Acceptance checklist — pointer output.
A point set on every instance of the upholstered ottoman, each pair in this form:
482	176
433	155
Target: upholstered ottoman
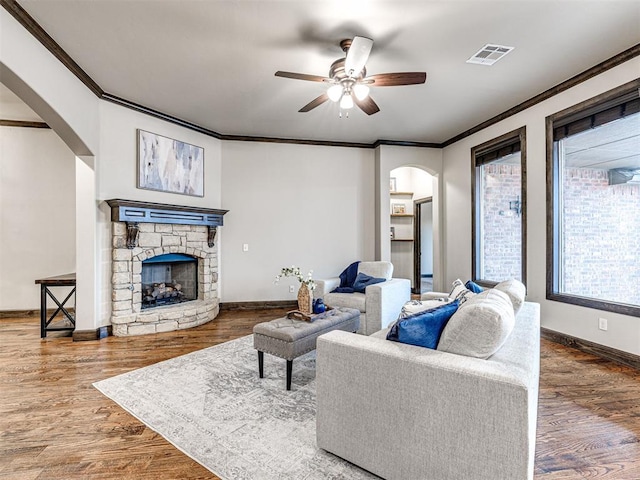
289	338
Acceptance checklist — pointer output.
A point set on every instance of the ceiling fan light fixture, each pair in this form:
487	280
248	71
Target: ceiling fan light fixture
334	92
361	91
346	102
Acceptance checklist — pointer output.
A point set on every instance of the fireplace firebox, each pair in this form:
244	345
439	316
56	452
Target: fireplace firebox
169	279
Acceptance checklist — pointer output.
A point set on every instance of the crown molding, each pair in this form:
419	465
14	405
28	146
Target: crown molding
157	114
402	143
23	123
608	64
34	28
41	35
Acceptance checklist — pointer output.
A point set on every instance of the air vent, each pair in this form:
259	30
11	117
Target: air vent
489	54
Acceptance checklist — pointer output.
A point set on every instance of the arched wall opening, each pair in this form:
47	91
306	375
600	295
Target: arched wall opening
427	161
411	226
84	182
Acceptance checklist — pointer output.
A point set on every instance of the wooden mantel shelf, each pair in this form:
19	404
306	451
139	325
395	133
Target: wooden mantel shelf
133	212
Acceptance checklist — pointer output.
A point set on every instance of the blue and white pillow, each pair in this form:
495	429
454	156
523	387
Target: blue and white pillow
424	328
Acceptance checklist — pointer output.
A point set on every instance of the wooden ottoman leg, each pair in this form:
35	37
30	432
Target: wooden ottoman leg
261	363
289	368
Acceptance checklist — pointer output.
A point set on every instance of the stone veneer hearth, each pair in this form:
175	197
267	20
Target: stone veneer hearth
134	242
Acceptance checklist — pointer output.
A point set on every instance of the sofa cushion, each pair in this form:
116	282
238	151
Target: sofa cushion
363	281
376	269
423	329
460	292
350	300
480	326
515	290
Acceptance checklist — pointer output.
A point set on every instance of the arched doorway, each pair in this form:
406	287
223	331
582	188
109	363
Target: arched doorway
411	192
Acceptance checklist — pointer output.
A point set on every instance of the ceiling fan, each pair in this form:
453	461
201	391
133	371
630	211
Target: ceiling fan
349	81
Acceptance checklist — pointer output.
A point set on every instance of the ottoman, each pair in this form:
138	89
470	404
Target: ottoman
289	338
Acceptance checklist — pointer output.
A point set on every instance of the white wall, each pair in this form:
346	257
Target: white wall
309	206
624	331
37	213
116	178
58	97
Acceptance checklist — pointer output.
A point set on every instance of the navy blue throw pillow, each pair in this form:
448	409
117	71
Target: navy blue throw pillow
349	274
343	290
423	329
474	287
363	281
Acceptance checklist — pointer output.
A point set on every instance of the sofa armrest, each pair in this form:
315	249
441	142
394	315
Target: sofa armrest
384	302
402	411
325	286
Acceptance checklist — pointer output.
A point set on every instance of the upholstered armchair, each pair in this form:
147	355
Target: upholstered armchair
379	305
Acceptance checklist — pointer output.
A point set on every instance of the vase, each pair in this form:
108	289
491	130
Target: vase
305	301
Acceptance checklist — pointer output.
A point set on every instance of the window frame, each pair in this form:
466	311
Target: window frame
518	135
585	109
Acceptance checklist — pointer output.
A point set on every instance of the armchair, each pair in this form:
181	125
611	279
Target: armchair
381	303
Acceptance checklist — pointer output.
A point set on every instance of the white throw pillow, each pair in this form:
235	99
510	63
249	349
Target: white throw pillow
460	292
516	292
480	326
413	307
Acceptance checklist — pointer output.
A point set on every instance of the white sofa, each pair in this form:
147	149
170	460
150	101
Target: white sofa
410	413
379	305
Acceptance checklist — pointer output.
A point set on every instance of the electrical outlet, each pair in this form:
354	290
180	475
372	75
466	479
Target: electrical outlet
245	247
291	289
602	324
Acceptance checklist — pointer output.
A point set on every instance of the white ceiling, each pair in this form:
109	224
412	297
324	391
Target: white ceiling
212	62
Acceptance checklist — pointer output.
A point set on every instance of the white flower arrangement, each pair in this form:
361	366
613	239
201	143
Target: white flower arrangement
294	271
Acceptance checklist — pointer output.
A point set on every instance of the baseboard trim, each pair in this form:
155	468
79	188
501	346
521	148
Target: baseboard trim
88	335
292	304
28	313
602	351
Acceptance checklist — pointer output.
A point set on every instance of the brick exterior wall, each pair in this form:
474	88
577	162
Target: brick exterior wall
502	227
601	244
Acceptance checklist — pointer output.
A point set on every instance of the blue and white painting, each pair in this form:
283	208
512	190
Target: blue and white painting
168	165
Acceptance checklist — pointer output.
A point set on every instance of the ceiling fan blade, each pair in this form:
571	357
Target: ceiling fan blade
302	76
314	103
367	105
357	55
395	79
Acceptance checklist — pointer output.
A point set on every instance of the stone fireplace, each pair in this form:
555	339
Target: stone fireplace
164	239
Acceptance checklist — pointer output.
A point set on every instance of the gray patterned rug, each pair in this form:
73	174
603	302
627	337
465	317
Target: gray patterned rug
212	406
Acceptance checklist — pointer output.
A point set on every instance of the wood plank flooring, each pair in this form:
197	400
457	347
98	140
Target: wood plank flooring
55	425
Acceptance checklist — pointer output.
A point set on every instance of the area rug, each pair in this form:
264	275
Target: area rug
212	405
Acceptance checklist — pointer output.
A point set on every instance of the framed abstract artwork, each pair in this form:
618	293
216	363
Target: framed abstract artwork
169	165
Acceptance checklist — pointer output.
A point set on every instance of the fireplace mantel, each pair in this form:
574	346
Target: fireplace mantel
133	212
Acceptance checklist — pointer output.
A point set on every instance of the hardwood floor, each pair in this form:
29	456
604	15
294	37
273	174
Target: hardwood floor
55	425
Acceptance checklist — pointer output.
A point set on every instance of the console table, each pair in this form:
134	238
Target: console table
67	280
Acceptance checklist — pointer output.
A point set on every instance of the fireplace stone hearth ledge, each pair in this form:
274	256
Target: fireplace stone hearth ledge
142	230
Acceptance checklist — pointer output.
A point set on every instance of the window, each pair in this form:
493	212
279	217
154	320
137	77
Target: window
593	172
499	209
